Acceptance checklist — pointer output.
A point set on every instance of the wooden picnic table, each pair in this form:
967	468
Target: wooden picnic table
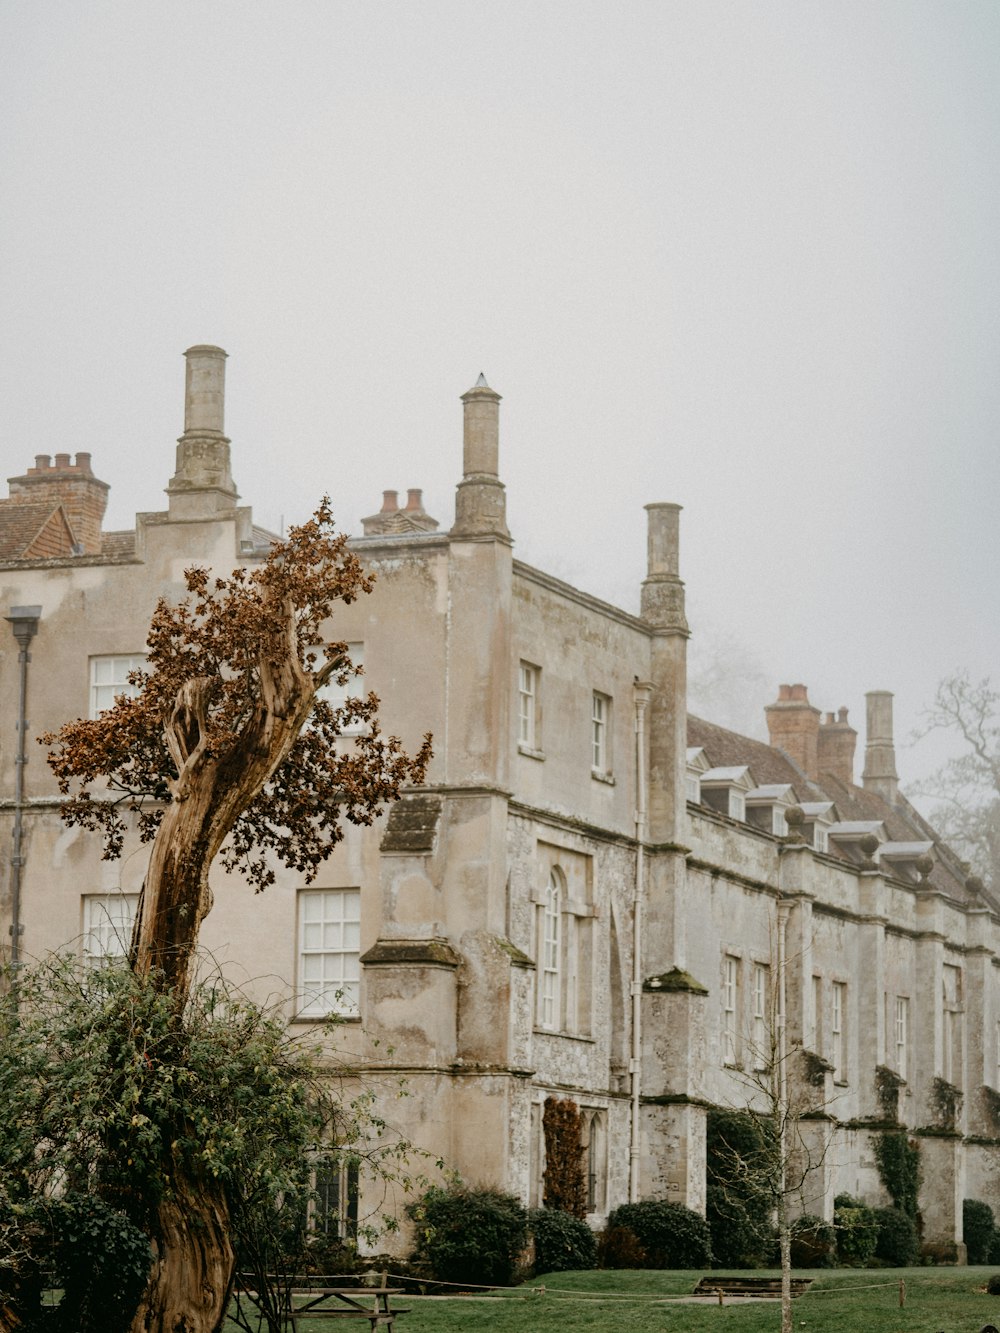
371	1303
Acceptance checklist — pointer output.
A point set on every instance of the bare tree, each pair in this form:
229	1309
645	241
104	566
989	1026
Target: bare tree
966	790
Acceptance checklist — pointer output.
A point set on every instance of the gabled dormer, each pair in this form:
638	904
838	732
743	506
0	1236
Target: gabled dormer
847	836
900	858
820	816
725	790
697	766
766	806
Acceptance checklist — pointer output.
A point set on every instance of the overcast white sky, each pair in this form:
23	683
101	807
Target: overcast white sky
742	256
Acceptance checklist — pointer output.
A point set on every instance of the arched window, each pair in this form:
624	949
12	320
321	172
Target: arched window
550	952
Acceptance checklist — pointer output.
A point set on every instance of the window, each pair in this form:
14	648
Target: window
527	706
564	944
329	951
109	679
761	1006
336	695
600	724
730	1011
549	974
901	1029
107	927
333	1211
594	1142
838	1031
817	1016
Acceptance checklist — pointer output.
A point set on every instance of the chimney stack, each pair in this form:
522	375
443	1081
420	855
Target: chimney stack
836	744
202	486
74	486
480	501
793	726
880	774
662	599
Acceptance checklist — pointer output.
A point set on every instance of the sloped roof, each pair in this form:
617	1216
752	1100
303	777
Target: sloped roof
26	527
770	765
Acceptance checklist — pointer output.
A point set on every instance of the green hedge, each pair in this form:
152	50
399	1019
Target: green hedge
671	1235
470	1235
562	1242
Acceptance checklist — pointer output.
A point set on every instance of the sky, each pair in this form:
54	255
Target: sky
742	256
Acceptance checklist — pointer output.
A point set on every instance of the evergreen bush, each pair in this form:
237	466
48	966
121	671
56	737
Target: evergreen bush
470	1235
619	1247
897	1243
562	1242
978	1230
671	1235
738	1239
857	1233
814	1242
898	1160
742	1173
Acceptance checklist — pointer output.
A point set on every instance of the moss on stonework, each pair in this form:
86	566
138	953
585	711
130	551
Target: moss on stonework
517	957
435	953
674	980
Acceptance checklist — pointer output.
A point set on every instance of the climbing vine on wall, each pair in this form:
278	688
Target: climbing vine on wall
565	1182
898	1160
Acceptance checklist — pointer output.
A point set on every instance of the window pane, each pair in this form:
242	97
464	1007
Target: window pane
329	951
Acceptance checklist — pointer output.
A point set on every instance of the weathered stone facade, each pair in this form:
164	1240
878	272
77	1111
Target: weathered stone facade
584	900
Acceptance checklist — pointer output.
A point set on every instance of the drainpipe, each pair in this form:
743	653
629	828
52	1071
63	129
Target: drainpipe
784	909
23	620
642	693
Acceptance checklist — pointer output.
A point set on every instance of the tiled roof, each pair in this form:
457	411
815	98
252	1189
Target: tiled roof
119	544
769	765
21	522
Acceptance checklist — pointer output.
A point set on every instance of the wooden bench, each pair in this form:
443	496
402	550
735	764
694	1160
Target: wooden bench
314	1298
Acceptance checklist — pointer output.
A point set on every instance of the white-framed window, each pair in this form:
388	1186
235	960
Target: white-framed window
600	729
109	678
901	1034
329	951
550	969
761	1015
336	695
527	705
730	1009
838	1030
333	1208
108	919
996	1082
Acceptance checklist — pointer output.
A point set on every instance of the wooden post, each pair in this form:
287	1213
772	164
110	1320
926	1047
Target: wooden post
902	1293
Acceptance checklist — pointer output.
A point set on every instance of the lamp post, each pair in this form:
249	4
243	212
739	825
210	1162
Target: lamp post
23	620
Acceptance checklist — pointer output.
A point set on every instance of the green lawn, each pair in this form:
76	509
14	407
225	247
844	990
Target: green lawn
840	1301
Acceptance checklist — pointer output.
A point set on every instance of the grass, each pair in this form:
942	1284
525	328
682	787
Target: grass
839	1301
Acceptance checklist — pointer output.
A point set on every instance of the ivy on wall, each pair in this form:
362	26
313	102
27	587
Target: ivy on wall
565	1182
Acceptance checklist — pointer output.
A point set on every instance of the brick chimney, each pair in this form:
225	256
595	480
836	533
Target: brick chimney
793	726
880	752
74	486
836	744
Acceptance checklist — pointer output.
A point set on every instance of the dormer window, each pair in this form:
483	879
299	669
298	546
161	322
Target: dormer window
766	807
846	836
900	858
820	817
697	766
725	790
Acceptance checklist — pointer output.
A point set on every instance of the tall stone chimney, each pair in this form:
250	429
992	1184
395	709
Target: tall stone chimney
836	744
662	607
202	486
793	726
880	752
74	486
480	500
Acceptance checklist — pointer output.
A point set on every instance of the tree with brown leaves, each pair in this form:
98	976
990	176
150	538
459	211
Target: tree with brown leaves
227	751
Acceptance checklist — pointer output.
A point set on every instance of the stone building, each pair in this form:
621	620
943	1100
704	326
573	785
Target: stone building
589	897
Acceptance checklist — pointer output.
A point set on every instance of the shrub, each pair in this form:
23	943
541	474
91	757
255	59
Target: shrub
565	1181
672	1236
993	1285
470	1235
994	1257
978	1229
897	1242
561	1242
857	1234
738	1239
101	1262
898	1160
619	1247
814	1242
